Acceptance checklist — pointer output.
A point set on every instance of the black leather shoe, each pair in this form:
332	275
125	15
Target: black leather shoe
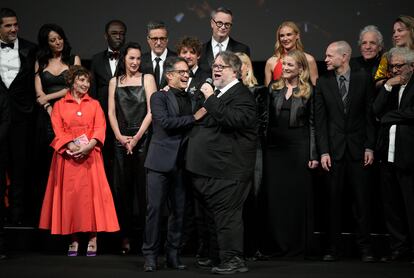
175	264
368	258
232	266
150	267
330	258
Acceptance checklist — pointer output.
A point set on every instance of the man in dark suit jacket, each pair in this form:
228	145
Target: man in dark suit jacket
394	106
172	117
153	61
103	68
221	156
221	23
345	137
17	83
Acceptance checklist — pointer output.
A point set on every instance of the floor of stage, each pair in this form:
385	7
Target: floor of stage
58	265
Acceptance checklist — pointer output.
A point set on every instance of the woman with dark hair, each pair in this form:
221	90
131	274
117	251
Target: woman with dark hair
290	150
129	114
78	197
53	61
287	38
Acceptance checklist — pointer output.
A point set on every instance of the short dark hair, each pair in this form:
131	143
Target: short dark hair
189	42
120	68
155	24
221	10
170	63
232	60
6	12
76	71
115	21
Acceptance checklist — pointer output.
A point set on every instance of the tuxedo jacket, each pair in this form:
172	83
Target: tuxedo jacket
223	143
386	108
207	58
336	131
21	94
102	74
147	66
170	131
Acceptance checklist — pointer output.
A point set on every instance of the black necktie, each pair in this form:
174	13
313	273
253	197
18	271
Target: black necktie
191	74
342	90
113	55
157	71
4	45
217	92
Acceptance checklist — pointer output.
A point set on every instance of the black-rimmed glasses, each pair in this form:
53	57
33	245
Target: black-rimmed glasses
155	39
396	66
219	67
220	24
181	72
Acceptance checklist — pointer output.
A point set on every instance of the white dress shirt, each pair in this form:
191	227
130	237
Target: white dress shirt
215	45
112	63
227	87
163	56
9	63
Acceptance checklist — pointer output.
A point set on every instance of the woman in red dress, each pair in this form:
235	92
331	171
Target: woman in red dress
78	197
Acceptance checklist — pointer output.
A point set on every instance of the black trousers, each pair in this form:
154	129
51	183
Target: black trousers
353	175
223	200
2	193
160	188
398	200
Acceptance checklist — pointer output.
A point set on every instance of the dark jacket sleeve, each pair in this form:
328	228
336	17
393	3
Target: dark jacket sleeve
370	118
4	117
313	153
321	128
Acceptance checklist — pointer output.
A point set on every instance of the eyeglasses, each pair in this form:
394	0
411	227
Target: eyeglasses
219	67
396	66
220	24
181	72
155	39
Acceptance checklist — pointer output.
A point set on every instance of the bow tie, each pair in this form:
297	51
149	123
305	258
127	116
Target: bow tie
4	45
113	55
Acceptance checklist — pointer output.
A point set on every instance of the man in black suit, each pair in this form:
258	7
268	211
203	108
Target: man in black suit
394	107
172	117
221	156
103	68
17	84
153	61
345	137
221	23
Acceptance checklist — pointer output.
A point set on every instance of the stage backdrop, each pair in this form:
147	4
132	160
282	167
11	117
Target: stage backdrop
255	21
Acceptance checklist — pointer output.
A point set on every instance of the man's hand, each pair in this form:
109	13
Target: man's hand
326	162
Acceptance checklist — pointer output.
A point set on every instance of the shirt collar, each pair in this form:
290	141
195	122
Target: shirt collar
228	86
223	43
347	75
163	56
69	98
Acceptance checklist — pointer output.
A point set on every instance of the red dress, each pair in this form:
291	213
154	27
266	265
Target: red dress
78	197
277	71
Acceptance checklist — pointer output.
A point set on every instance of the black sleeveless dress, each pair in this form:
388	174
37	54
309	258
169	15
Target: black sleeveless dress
129	174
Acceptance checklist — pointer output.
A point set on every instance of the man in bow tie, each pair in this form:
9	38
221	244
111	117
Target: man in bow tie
17	84
103	68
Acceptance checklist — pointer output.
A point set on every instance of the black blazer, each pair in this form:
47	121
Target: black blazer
21	92
147	67
102	74
206	57
337	131
169	132
223	143
387	110
301	114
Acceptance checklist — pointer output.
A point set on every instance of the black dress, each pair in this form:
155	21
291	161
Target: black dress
129	174
287	179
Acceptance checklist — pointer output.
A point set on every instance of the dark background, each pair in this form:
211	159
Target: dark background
255	21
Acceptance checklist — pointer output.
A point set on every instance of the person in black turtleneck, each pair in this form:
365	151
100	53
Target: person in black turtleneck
371	45
172	118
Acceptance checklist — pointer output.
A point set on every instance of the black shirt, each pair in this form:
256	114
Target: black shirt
184	101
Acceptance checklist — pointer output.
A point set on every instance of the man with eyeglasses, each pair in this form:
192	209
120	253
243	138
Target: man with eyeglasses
394	106
172	118
221	23
153	61
221	157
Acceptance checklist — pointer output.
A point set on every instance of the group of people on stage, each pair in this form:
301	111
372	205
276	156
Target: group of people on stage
193	135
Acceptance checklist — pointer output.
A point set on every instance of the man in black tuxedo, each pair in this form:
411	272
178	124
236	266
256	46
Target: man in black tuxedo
221	23
103	68
153	61
221	156
345	137
172	117
394	107
17	58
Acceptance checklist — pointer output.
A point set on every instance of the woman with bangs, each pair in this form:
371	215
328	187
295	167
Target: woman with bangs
289	153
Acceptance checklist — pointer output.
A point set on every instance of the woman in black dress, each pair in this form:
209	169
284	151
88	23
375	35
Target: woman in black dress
129	114
289	153
53	60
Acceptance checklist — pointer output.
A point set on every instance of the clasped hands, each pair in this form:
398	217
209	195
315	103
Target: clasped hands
129	142
78	152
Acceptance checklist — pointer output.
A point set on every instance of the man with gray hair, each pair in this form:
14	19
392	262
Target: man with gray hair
153	62
394	107
346	138
221	156
371	45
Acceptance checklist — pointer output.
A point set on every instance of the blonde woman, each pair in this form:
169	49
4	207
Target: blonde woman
289	154
287	38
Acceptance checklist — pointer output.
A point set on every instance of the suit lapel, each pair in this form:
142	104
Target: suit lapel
351	90
107	65
333	84
210	56
173	102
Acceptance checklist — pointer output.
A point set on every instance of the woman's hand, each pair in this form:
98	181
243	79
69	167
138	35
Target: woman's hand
83	151
132	143
42	100
124	140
